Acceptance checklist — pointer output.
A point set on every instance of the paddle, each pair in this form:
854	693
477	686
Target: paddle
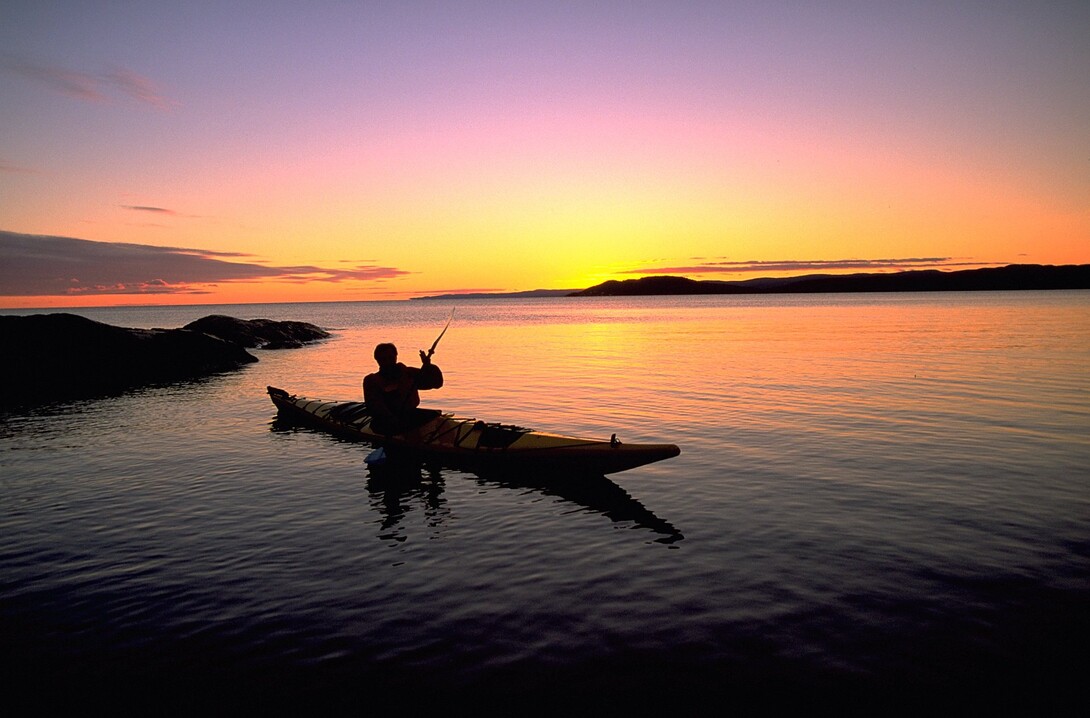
436	342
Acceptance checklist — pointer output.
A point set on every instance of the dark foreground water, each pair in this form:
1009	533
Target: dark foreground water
882	505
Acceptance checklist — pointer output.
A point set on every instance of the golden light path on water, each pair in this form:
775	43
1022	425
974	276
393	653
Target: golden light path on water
650	366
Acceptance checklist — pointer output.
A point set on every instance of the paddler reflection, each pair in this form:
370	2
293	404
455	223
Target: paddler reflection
395	487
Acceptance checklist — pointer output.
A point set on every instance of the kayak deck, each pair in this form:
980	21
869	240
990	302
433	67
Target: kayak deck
474	444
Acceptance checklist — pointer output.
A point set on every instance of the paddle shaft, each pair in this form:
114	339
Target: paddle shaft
445	328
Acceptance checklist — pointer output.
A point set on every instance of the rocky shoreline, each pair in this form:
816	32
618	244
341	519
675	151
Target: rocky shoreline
57	357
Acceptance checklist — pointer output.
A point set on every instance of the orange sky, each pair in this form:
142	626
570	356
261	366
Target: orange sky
343	152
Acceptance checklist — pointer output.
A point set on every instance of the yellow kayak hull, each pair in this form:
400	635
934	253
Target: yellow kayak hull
474	444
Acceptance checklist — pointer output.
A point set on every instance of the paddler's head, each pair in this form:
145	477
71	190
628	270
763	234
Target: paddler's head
386	355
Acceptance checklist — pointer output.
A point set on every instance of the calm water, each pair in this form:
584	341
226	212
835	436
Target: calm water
882	501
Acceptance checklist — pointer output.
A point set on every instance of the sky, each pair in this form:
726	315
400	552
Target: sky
216	152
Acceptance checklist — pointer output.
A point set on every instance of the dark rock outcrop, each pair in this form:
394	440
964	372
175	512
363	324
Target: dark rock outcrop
48	357
258	333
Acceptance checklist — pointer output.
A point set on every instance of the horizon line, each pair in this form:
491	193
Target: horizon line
476	294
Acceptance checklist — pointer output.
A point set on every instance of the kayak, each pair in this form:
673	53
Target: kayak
473	444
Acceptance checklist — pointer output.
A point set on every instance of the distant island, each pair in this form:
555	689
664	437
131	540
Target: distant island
502	295
1011	277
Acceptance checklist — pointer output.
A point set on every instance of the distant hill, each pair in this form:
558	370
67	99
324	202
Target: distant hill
1011	277
503	295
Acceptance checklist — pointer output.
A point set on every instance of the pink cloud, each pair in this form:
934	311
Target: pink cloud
32	265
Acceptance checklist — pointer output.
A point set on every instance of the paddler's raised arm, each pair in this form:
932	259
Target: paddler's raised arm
430	376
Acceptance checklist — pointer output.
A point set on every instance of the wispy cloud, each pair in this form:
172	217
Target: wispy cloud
149	212
9	168
137	87
33	265
155	210
75	84
817	265
90	87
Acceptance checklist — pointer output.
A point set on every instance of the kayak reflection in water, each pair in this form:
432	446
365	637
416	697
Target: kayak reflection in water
393	392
